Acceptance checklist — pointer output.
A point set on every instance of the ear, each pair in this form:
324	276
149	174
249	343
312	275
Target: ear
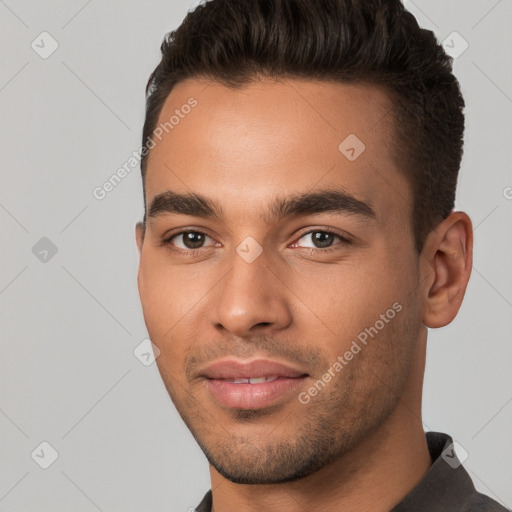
447	259
140	230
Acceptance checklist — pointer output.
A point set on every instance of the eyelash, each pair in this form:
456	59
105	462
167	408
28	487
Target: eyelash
167	242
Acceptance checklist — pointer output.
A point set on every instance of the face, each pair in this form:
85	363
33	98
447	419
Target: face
290	262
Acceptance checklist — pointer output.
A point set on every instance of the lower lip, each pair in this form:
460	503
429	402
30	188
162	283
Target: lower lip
252	396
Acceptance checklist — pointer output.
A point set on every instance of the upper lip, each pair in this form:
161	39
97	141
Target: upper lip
236	369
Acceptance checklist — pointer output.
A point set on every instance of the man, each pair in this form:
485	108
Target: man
300	166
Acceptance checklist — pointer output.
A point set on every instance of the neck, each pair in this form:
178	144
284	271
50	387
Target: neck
374	476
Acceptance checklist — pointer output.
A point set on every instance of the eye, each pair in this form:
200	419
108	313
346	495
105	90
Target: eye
191	241
187	240
321	239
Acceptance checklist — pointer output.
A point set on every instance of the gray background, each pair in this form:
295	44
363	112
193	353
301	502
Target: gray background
70	324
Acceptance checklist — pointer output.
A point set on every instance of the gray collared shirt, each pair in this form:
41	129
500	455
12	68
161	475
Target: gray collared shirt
446	487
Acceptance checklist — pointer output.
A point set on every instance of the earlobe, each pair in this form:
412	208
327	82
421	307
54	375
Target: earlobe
448	255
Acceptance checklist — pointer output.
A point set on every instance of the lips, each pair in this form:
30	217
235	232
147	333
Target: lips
251	385
253	380
232	369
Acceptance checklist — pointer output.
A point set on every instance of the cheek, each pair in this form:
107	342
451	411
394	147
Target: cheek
343	301
170	297
164	292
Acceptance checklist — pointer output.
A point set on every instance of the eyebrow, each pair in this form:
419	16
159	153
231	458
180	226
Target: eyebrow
307	203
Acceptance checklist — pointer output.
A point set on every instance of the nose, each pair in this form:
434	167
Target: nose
251	299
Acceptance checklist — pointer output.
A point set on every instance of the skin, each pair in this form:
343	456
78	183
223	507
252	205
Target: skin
359	444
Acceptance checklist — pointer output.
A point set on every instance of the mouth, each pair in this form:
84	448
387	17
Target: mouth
251	385
253	380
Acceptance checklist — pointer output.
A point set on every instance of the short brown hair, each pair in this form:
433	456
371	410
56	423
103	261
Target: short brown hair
368	41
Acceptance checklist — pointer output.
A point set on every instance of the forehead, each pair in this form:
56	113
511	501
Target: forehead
245	145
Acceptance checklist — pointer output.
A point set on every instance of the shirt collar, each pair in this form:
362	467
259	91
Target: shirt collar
445	486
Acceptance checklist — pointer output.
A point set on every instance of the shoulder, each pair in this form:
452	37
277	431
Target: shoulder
206	503
482	503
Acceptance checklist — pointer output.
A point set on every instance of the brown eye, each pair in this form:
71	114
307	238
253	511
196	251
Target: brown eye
193	239
321	239
187	240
